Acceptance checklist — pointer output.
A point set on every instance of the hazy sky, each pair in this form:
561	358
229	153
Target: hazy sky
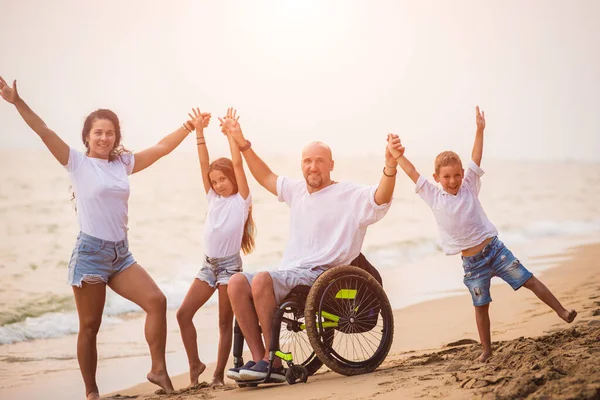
344	72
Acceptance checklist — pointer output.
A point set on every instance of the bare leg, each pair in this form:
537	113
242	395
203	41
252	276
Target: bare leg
545	295
265	304
89	299
482	317
240	296
225	336
197	295
136	285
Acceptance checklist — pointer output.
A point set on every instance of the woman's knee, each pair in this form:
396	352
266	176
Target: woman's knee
184	316
157	302
90	325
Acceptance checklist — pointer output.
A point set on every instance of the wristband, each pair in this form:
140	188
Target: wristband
246	146
389	176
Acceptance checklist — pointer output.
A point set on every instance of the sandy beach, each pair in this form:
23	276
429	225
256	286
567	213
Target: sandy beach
537	355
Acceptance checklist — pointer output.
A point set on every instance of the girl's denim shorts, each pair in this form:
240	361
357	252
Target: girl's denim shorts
97	261
217	270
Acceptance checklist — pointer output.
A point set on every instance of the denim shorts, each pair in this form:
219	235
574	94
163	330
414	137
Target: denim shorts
494	260
217	271
286	280
96	261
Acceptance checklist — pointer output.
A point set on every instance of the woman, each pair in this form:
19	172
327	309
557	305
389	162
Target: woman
101	257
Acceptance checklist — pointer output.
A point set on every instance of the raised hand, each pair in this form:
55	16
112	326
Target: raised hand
479	119
230	126
199	119
9	94
394	148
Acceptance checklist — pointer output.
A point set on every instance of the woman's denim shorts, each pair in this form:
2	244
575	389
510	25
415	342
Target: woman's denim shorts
217	270
97	261
494	260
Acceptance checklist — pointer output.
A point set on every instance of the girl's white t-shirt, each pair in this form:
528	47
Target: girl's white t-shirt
102	193
224	225
460	218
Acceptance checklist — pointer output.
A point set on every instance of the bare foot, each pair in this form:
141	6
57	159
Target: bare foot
162	380
217	382
92	396
569	316
485	356
195	372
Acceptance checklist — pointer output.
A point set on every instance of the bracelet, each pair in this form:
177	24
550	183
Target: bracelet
398	157
186	128
199	142
389	176
200	137
246	146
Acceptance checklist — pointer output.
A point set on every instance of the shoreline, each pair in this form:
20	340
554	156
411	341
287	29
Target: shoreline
431	325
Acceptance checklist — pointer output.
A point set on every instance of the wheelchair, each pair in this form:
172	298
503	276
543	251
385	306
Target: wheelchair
344	321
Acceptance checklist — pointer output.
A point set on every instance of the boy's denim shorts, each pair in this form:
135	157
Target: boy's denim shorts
96	261
217	271
494	260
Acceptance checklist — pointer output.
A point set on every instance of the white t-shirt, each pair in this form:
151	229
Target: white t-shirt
102	192
461	219
327	228
224	225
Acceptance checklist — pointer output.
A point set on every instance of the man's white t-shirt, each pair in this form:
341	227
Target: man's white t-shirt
224	225
460	218
327	228
102	192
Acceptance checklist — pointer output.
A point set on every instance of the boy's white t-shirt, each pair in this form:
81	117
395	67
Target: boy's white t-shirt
101	192
461	219
327	228
224	225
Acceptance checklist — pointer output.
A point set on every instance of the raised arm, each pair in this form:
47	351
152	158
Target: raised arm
58	148
387	183
397	151
201	121
477	152
149	156
261	172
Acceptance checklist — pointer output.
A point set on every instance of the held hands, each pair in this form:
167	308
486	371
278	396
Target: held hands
9	94
199	119
480	119
231	127
393	150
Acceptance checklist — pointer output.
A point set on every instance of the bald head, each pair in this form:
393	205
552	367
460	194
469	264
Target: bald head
317	148
317	164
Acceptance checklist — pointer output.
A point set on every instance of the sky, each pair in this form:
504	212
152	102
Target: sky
343	72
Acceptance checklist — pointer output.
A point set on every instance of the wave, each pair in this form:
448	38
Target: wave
395	254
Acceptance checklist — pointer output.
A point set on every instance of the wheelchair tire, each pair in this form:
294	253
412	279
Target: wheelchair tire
364	315
297	342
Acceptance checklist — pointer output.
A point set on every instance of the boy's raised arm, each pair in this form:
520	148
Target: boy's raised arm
397	150
477	152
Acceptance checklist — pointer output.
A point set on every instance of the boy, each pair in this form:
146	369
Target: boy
464	228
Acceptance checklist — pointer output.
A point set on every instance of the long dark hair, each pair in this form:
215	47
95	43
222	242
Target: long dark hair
117	150
104	113
225	165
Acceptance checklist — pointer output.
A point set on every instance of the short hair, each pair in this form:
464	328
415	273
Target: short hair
446	158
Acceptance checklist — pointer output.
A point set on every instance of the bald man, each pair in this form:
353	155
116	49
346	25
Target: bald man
328	224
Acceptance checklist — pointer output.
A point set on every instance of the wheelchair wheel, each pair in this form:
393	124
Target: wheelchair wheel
293	339
349	321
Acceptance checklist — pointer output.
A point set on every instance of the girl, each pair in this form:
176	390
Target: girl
101	257
228	228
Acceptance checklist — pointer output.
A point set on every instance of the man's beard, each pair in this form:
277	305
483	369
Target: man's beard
314	180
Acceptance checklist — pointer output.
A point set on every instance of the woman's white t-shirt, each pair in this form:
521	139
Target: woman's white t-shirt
224	225
101	192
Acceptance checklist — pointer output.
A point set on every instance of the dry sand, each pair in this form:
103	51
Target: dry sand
536	355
